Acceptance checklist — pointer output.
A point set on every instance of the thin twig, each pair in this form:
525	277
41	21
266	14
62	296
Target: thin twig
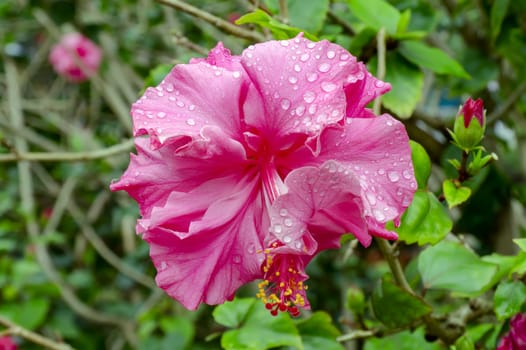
15	329
216	21
120	148
507	105
283	11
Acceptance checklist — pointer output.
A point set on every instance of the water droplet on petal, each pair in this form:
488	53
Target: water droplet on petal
287	239
393	176
298	244
251	249
163	266
288	222
300	110
304	57
297	68
311	77
312	109
190	122
293	80
169	87
344	57
285	104
324	67
180	103
378	215
309	96
311	45
381	171
283	212
406	174
161	115
328	86
379	83
191	107
277	229
284	43
236	258
371	198
331	54
236	74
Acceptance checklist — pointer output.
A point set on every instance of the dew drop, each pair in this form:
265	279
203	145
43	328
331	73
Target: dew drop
236	74
288	222
331	54
393	176
293	80
379	83
324	67
191	107
309	96
311	45
163	266
311	77
218	73
251	249
328	86
381	171
161	115
285	104
344	57
378	215
236	258
169	87
190	122
180	103
283	212
297	68
304	57
298	244
312	109
277	229
284	43
287	239
300	110
371	198
406	174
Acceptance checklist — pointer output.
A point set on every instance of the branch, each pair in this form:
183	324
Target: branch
507	105
15	329
123	147
216	21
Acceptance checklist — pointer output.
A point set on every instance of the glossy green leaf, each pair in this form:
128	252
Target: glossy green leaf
509	298
431	58
506	264
497	14
421	163
258	330
451	266
376	14
425	221
455	195
390	304
29	314
279	30
405	340
308	15
318	332
521	242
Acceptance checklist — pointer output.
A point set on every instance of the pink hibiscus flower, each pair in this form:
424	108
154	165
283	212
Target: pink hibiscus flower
88	53
255	163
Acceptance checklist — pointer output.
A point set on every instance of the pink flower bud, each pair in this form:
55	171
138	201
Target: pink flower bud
516	337
6	343
63	60
473	108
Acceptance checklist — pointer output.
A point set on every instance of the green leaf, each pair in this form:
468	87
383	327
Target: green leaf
451	266
431	58
498	12
509	298
425	221
405	340
421	163
308	15
279	30
403	22
521	242
505	263
157	74
455	195
233	313
318	332
390	304
464	343
29	314
476	332
376	14
258	330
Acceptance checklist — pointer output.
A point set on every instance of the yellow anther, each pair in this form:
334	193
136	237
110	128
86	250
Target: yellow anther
277	273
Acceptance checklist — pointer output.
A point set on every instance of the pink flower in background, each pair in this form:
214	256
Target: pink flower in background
63	61
473	108
516	337
255	163
6	343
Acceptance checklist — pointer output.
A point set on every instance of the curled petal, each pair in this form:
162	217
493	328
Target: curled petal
190	97
362	91
299	85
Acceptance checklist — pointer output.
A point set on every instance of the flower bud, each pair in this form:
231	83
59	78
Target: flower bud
75	57
470	125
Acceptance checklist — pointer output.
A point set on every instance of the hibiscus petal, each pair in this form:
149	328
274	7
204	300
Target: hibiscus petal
153	175
222	249
322	204
362	91
221	57
300	84
190	97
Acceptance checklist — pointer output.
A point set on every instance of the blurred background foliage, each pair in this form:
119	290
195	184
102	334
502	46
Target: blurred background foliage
71	266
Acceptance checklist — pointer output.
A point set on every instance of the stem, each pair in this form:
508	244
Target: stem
123	147
380	73
15	329
216	21
283	11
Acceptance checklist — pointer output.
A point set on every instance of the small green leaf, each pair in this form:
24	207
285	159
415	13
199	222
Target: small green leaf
318	332
464	343
403	22
421	163
258	330
29	314
405	340
308	15
509	298
390	304
498	12
376	14
233	313
521	242
431	58
279	30
451	266
455	195
425	221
